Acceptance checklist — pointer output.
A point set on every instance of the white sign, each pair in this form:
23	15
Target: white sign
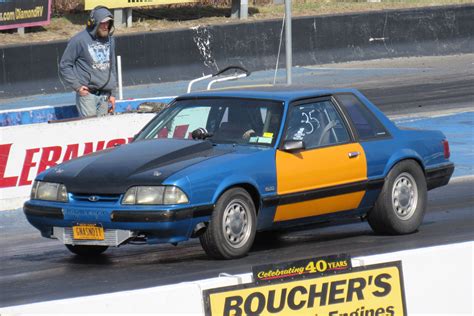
27	150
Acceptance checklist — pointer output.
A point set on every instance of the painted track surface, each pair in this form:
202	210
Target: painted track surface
35	269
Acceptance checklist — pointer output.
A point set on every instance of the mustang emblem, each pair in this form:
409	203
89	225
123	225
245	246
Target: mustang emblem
59	170
156	173
94	198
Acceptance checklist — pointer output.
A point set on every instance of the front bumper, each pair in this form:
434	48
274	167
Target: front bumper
160	225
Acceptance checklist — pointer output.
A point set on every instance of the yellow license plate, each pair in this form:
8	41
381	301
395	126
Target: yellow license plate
88	232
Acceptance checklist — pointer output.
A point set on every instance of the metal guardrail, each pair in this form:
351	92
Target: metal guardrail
235	76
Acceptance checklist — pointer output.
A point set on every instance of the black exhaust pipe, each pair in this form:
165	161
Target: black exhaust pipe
199	229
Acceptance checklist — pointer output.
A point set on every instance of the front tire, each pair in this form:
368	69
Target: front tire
231	231
86	251
401	205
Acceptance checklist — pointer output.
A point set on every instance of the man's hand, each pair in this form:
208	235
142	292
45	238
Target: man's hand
248	133
112	104
83	91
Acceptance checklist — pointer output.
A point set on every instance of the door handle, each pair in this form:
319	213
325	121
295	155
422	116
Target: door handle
353	154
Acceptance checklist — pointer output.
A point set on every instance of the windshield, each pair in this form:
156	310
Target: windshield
226	120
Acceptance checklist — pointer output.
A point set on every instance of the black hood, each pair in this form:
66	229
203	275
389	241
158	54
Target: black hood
147	162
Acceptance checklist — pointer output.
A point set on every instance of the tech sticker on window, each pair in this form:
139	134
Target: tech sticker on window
265	140
260	140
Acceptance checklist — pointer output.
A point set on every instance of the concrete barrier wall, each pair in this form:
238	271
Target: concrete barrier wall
438	281
184	54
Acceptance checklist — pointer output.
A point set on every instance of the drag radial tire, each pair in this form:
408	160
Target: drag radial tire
401	205
231	230
87	251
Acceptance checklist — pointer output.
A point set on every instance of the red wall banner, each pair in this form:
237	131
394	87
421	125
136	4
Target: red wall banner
27	150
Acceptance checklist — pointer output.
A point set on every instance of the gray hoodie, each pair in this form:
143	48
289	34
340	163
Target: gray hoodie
89	60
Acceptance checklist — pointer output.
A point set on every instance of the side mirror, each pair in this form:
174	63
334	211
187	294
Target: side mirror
293	145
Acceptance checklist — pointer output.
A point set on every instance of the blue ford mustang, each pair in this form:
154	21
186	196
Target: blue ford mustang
223	165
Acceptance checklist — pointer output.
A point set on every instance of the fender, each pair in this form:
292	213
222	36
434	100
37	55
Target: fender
232	181
402	154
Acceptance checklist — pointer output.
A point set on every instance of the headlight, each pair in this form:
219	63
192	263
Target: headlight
155	195
49	191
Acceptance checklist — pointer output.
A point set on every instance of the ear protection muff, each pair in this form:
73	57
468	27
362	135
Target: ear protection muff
91	21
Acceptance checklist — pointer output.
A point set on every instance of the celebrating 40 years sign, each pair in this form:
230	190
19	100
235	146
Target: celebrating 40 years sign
20	13
114	4
370	290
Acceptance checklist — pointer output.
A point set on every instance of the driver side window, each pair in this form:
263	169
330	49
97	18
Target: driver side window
317	124
186	121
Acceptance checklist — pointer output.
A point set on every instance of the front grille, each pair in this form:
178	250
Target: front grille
113	237
96	197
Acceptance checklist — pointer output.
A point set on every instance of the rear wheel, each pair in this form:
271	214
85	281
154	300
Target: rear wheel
231	231
86	251
401	205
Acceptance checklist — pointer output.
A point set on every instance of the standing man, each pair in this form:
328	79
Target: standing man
88	65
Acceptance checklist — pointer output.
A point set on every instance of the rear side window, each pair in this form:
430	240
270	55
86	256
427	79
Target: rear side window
365	123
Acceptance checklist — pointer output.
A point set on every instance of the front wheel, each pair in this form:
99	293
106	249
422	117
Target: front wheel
231	231
401	205
86	251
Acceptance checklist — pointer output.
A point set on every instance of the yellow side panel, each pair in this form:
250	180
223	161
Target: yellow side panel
322	206
318	168
315	169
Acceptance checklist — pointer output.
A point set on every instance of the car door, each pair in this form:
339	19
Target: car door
329	174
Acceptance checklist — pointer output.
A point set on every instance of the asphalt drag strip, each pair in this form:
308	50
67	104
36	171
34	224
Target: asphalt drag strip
35	269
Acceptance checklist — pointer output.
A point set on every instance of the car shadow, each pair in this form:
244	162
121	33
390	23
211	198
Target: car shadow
286	240
102	259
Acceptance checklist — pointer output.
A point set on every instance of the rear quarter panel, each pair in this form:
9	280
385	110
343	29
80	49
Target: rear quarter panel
423	146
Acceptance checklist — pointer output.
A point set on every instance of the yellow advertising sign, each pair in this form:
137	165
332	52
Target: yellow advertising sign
370	290
115	4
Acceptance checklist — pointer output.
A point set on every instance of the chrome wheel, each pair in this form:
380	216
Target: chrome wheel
401	204
404	196
231	230
237	223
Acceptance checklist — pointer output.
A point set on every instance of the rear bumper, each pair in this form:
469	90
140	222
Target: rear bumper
439	176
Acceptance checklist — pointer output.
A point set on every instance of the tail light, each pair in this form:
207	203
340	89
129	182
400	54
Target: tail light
447	153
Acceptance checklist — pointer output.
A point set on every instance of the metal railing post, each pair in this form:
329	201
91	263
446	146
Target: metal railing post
288	43
119	75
